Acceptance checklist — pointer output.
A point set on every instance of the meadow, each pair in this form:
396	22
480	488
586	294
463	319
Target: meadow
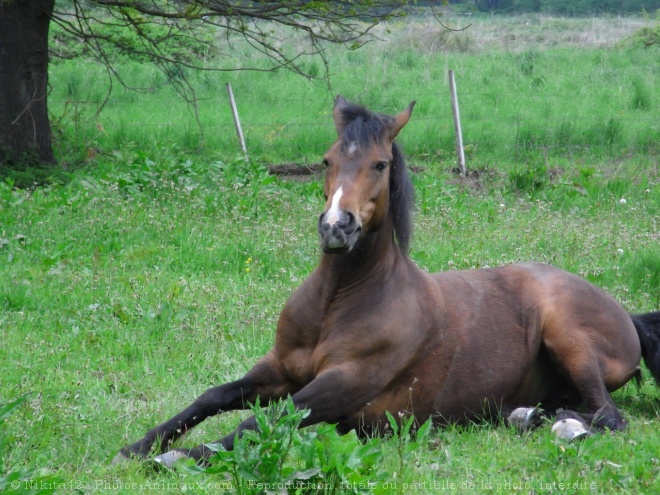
155	264
529	87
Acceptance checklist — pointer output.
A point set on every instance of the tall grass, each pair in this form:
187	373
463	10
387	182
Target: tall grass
515	101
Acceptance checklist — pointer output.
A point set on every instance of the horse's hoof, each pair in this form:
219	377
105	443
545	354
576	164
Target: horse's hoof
168	459
570	429
120	458
524	418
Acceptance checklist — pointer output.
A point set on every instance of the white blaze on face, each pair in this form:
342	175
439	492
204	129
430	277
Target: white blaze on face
352	148
332	216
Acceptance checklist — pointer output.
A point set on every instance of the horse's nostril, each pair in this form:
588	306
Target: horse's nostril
350	223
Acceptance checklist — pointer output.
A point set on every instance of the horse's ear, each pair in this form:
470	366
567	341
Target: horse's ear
401	120
338	113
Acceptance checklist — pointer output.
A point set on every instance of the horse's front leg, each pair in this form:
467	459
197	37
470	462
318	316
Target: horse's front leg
264	380
333	396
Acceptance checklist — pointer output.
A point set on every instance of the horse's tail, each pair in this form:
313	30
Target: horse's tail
648	330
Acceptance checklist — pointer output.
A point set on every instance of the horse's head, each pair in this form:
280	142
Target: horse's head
365	173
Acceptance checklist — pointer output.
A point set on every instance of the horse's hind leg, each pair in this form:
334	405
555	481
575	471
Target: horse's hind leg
601	410
579	364
592	344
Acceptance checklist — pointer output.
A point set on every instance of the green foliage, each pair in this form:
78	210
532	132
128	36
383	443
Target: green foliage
27	170
132	41
258	462
347	465
407	441
530	179
280	458
646	37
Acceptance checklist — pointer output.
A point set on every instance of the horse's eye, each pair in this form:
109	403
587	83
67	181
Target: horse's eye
325	163
380	166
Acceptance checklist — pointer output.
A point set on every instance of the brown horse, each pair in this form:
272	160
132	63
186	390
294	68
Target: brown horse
369	332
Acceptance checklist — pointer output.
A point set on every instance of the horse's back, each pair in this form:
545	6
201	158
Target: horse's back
535	296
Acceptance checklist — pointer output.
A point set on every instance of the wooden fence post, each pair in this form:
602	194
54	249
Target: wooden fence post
237	121
460	153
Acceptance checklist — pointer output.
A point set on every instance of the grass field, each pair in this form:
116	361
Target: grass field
544	88
155	272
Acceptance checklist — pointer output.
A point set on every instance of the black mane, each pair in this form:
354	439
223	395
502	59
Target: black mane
364	128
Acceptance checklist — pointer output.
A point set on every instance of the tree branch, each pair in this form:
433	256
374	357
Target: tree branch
173	33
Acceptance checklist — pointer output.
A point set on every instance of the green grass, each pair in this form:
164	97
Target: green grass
154	272
562	99
130	290
594	105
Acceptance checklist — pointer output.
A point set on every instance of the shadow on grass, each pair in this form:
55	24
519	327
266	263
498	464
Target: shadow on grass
28	174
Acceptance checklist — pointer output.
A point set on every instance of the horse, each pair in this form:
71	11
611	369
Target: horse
368	332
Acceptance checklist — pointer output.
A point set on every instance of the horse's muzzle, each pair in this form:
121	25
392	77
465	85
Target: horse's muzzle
341	235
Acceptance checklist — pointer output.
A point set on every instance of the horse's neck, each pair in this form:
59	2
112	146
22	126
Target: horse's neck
369	263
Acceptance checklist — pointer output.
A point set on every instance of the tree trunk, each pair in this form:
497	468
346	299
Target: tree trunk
25	137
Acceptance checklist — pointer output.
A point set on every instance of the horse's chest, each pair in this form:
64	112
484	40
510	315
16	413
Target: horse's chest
308	349
295	349
298	366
